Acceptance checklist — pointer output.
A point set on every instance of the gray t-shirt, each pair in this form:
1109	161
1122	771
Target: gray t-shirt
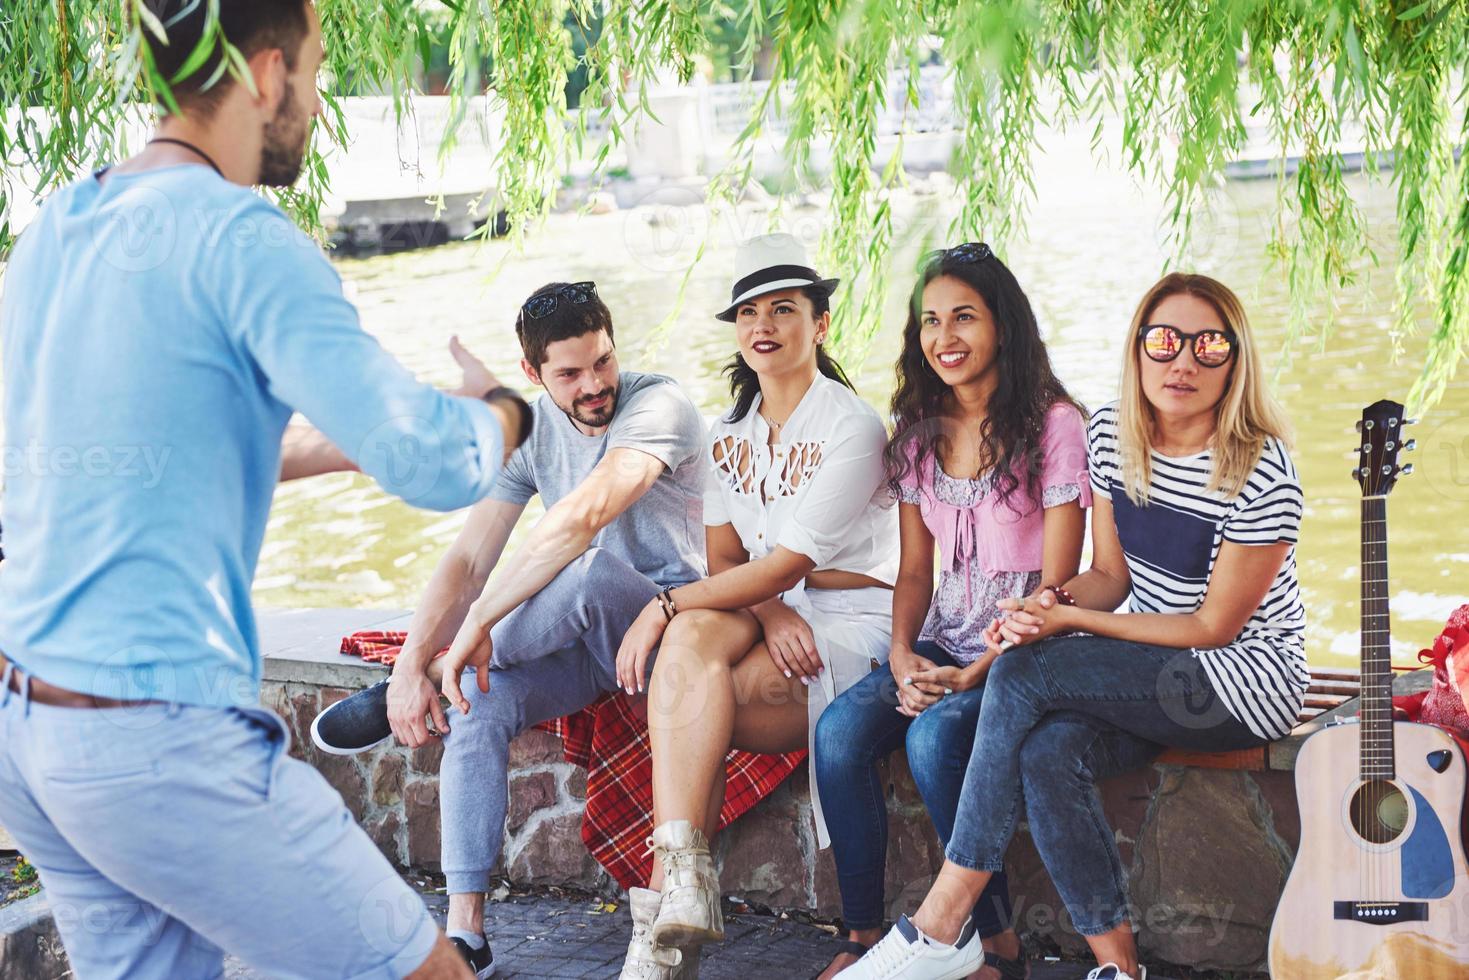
662	534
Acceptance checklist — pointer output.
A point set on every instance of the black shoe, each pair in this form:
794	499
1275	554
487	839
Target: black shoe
354	724
481	960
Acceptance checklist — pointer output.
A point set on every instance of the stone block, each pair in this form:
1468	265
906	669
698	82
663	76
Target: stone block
300	712
428	757
552	853
1126	799
529	793
384	831
345	775
1208	873
534	747
421	812
914	859
766	861
387	779
30	946
1278	789
1038	909
575	786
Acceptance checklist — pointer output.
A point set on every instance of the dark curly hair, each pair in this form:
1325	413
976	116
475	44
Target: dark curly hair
1010	436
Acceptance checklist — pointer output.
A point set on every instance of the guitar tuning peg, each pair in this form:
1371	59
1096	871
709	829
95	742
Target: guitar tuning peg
1357	474
1410	445
1358	426
1408	470
1410	421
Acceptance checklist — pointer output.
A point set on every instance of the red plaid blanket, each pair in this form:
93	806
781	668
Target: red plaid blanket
610	741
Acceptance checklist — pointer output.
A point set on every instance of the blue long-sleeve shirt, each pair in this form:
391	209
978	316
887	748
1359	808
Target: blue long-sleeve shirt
158	329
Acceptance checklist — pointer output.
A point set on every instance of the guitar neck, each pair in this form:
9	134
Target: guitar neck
1376	724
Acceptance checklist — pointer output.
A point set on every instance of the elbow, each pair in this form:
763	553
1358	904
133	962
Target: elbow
1213	634
573	526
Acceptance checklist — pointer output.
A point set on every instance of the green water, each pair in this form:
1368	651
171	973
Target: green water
1094	247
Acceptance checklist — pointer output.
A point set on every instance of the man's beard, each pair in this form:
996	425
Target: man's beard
284	147
601	416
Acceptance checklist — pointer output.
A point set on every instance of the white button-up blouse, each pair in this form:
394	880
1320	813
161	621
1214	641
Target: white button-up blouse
821	491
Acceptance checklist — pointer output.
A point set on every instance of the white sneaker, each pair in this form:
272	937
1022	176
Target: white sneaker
1111	971
905	953
644	960
689	912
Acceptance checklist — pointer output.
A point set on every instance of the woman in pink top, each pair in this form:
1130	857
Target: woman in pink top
989	463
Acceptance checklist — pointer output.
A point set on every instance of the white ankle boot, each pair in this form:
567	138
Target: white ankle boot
646	961
689	913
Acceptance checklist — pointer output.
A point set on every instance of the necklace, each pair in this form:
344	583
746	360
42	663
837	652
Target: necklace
772	422
191	148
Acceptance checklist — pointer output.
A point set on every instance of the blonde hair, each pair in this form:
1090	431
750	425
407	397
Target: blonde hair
1246	416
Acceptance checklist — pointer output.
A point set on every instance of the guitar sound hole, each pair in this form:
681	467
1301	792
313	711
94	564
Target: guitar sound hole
1379	811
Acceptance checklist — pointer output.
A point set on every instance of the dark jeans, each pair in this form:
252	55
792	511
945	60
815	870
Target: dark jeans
1058	716
854	732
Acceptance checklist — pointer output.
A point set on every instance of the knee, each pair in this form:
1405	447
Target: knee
924	744
1048	757
694	633
836	743
585	567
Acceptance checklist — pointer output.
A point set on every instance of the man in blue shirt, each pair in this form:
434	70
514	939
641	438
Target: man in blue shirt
160	324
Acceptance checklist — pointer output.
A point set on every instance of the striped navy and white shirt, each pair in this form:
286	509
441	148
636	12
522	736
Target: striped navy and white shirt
1172	543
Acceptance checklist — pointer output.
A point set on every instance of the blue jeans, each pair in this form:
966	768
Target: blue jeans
1059	716
863	726
167	834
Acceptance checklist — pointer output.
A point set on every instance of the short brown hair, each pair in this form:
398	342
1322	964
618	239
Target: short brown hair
250	25
566	321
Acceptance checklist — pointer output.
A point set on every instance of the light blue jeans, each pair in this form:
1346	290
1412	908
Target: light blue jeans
165	835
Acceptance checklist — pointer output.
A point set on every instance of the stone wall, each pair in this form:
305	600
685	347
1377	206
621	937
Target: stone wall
1206	851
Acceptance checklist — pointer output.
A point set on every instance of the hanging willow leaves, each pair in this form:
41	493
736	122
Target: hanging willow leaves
1185	78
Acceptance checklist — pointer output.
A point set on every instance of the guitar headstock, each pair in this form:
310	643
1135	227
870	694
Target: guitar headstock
1380	443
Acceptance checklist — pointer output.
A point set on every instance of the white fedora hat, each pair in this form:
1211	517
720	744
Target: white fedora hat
770	263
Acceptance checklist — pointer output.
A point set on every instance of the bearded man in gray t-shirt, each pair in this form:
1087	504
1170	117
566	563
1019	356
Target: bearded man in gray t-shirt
618	458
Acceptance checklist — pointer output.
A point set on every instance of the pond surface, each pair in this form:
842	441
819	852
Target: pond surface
1094	247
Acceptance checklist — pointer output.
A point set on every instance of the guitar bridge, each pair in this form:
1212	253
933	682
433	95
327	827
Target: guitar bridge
1380	913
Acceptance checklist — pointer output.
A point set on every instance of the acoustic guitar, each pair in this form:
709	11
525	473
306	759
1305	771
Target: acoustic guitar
1379	889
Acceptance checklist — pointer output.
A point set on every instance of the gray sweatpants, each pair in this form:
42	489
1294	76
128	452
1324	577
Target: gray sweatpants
556	653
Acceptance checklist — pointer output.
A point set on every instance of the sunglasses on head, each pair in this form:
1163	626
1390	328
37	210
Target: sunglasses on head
968	252
1164	342
546	303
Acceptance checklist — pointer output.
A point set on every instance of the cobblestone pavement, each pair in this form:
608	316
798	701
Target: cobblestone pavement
541	936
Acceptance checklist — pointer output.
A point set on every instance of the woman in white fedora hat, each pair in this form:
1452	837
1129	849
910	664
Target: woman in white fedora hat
802	542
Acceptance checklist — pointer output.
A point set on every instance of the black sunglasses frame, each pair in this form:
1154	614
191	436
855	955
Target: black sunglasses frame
544	304
1189	339
968	252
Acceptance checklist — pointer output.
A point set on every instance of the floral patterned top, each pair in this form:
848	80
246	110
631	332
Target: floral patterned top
966	598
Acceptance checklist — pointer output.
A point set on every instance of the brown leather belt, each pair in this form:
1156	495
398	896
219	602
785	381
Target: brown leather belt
60	697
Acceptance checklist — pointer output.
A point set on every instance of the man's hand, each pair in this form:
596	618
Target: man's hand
476	377
789	640
471	648
411	698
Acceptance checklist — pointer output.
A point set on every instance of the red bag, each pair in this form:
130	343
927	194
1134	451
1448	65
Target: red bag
1444	703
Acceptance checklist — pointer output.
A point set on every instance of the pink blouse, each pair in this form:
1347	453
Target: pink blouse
1005	537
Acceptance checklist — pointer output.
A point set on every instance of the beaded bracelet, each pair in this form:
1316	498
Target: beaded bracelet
1063	596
